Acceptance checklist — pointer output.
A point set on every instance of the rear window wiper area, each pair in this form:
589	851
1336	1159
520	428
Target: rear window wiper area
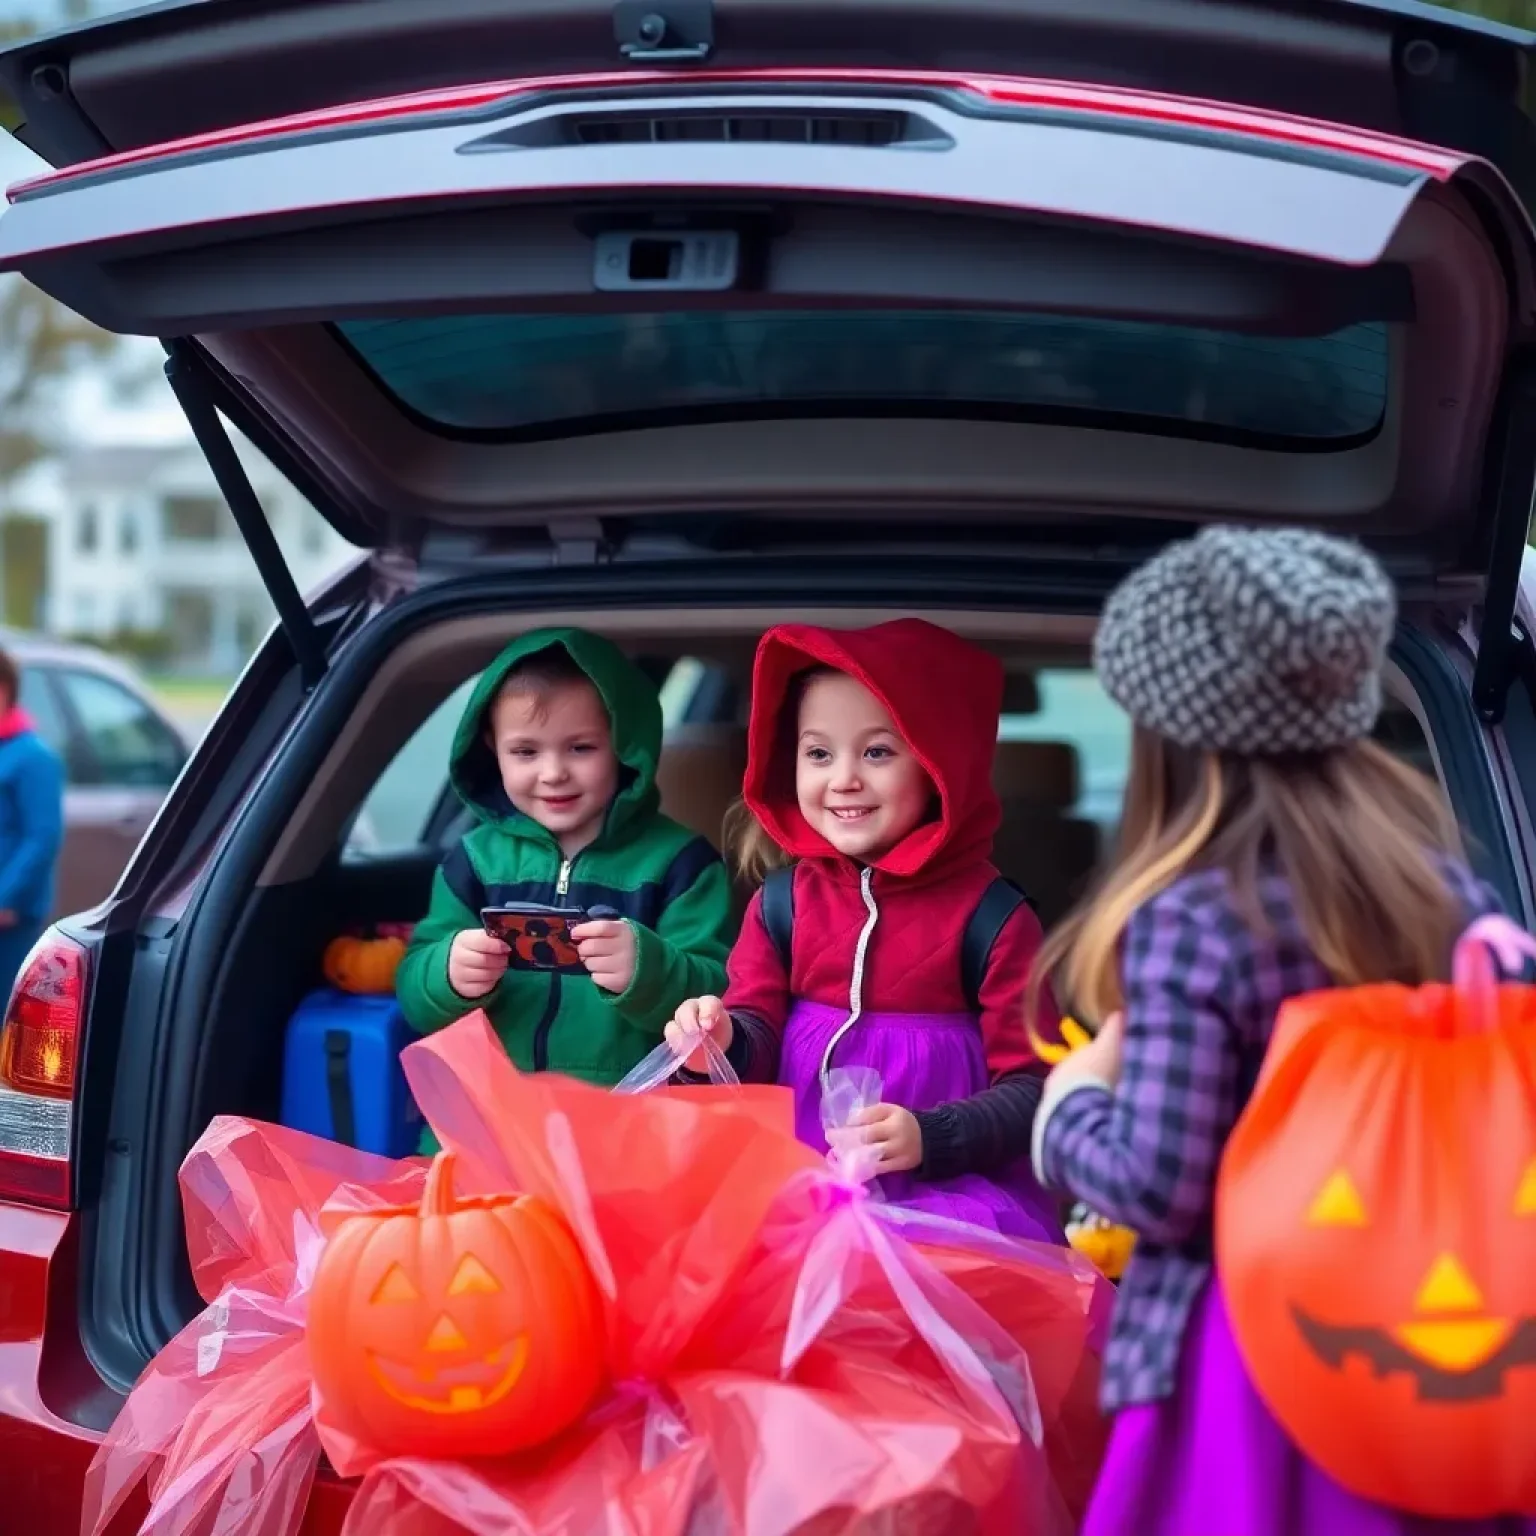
493	376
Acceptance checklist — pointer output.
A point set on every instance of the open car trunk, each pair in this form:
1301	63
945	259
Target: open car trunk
287	881
826	329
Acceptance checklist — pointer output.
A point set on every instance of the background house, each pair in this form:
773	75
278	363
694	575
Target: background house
143	548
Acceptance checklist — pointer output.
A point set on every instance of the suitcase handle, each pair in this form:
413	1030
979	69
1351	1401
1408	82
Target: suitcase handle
338	1084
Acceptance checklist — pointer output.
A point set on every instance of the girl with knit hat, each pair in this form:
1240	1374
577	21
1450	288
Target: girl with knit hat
1269	849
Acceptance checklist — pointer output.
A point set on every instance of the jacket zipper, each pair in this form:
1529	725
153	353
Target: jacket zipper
856	987
541	1032
552	1002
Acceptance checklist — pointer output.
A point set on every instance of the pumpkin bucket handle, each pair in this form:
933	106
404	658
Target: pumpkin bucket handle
1490	946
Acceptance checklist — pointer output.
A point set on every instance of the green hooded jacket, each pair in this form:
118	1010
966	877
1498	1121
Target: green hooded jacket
668	882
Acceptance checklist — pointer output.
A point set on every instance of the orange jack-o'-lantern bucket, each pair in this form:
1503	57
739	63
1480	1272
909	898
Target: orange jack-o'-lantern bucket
462	1328
1376	1236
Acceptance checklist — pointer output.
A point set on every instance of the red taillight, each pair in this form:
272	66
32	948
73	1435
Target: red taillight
39	1049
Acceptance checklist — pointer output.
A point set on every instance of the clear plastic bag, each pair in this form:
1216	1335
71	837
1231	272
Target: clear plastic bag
846	1092
664	1063
979	1300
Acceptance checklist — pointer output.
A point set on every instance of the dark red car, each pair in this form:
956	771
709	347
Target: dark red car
680	318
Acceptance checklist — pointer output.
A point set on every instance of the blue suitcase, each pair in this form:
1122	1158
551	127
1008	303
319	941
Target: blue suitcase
342	1076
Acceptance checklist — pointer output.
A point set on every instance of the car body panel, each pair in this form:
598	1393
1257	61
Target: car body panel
44	1453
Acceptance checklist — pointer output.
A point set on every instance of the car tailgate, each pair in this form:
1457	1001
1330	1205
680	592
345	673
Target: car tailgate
866	195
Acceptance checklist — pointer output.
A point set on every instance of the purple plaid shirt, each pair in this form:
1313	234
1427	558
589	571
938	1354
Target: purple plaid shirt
1201	993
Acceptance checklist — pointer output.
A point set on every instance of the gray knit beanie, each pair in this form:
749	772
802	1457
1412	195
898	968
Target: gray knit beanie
1251	642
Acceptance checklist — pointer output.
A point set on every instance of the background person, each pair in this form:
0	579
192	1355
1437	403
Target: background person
31	827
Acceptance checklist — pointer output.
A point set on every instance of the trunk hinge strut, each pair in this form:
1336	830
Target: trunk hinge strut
189	383
1498	650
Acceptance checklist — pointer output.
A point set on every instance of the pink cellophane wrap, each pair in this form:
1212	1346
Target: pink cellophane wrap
787	1353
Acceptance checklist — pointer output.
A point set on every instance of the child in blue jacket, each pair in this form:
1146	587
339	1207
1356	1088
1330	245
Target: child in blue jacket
31	828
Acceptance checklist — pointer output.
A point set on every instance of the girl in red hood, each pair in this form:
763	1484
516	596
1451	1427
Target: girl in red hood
870	768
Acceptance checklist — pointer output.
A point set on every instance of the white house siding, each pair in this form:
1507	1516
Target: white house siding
142	540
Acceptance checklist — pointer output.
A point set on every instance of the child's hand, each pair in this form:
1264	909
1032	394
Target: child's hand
1096	1062
607	948
699	1016
895	1132
476	962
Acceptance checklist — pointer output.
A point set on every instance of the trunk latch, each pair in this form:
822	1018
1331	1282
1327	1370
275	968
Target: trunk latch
665	31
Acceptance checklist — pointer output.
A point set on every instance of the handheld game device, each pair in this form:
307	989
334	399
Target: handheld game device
539	937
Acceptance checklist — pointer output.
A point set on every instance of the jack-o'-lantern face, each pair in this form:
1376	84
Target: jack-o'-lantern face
450	1374
1376	1243
1450	1344
465	1328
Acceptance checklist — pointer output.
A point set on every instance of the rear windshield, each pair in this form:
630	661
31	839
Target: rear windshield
522	375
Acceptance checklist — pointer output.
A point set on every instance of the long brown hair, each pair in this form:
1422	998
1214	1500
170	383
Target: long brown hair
1361	837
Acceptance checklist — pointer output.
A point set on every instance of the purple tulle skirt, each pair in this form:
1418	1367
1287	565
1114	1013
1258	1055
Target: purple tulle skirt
923	1060
1212	1462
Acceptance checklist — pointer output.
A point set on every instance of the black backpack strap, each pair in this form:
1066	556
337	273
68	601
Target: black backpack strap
778	911
998	903
338	1085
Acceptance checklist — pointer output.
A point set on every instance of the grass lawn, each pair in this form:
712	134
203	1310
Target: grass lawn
191	699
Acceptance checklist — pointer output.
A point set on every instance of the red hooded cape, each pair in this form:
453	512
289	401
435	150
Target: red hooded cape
944	696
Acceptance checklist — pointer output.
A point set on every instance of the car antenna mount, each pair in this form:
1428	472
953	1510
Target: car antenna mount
664	31
187	376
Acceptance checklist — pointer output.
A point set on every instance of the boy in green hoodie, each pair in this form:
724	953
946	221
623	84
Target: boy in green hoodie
556	758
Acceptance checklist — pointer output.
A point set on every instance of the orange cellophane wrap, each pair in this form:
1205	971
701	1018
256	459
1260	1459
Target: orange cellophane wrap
787	1354
220	1421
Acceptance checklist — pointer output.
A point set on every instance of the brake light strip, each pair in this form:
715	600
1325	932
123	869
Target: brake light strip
1145	106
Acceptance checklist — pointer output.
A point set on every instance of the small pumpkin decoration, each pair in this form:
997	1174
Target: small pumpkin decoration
1106	1246
354	963
462	1328
1376	1239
